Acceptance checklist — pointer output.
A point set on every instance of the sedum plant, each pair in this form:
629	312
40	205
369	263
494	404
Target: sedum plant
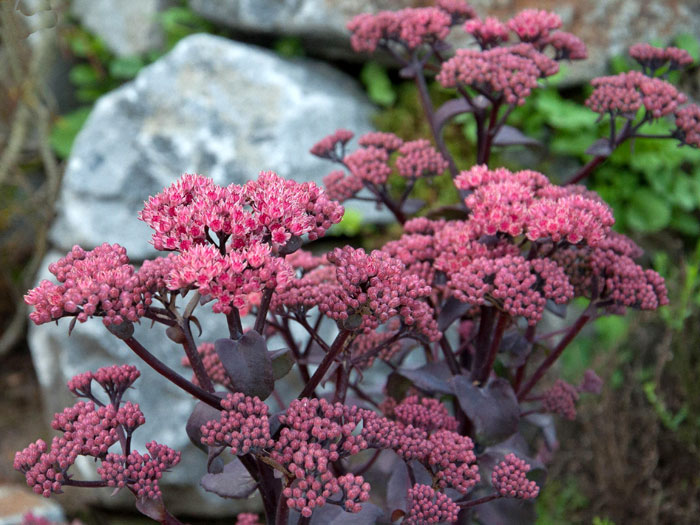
452	316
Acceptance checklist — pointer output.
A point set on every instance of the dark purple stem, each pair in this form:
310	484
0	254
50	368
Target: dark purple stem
482	374
333	352
170	374
84	484
194	358
429	111
554	355
364	468
483	336
262	310
475	502
235	327
450	359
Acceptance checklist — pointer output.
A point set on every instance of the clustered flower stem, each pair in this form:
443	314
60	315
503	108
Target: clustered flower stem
170	374
333	352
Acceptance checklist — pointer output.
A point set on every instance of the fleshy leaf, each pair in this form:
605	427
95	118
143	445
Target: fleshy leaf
397	488
233	482
412	206
557	309
510	136
451	311
248	364
335	515
514	348
493	409
431	377
282	362
600	148
451	109
199	416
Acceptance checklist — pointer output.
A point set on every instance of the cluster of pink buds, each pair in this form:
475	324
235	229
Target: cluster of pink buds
488	33
653	58
509	479
426	413
508	72
561	399
243	425
138	472
100	282
373	288
608	273
247	518
625	93
688	125
333	146
453	461
426	505
409	28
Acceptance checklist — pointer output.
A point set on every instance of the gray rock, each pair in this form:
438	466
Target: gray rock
607	27
211	106
128	27
16	502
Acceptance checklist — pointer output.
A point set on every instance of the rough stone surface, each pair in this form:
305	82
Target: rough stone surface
607	27
15	502
128	27
211	106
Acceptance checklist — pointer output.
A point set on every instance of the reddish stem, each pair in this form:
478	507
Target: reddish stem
482	374
170	374
552	357
475	502
333	352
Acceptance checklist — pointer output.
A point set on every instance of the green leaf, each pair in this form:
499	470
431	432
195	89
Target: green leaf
647	211
685	222
125	67
690	43
378	84
65	129
289	47
83	75
350	225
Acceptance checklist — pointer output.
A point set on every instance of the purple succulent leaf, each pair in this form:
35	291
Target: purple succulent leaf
232	482
493	409
248	364
282	362
199	416
452	310
510	136
451	109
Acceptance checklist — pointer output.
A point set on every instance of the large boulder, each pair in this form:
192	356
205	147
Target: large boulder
210	106
127	27
607	27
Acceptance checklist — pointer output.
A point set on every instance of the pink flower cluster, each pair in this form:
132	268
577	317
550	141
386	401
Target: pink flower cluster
410	28
488	33
459	10
566	46
419	159
652	58
526	203
688	125
316	434
333	146
243	425
381	140
508	72
520	286
533	25
100	282
44	469
426	505
247	518
212	364
258	219
509	479
453	461
373	288
561	399
138	472
625	93
426	413
609	274
114	380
